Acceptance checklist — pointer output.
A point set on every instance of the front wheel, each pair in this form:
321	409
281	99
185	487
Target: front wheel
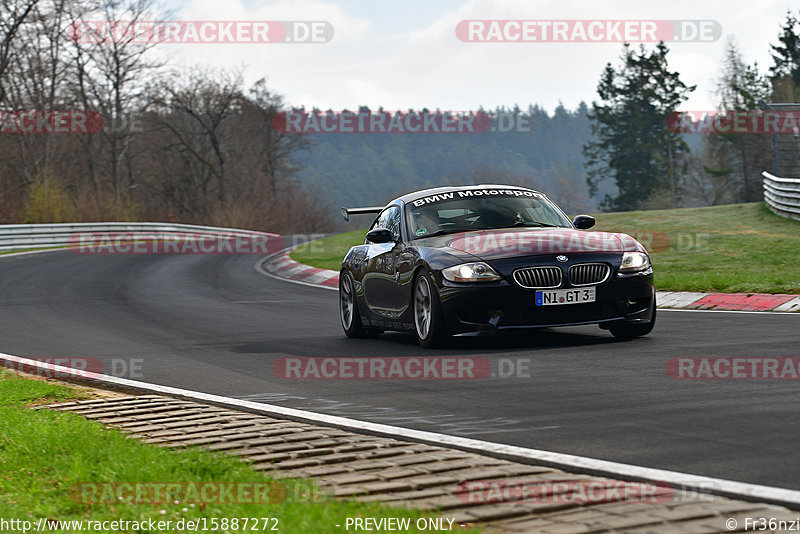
428	320
348	307
630	331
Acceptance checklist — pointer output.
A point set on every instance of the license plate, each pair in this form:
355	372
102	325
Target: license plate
557	297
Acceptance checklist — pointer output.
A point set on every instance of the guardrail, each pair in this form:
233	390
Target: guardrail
33	236
782	195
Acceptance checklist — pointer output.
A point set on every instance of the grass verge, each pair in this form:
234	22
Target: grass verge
738	248
327	253
45	454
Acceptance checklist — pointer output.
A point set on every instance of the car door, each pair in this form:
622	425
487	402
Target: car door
380	287
403	264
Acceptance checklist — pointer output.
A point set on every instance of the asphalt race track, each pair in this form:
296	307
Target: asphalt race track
214	324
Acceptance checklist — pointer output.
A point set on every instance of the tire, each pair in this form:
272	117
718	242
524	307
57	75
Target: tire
630	331
428	318
348	308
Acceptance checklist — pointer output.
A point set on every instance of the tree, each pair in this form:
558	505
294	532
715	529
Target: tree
740	87
707	181
633	144
110	77
12	16
786	55
277	149
36	72
198	118
191	147
785	89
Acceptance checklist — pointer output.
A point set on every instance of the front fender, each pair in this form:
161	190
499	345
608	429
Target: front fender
355	262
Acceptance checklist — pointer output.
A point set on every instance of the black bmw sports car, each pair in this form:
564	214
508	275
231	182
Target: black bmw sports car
471	260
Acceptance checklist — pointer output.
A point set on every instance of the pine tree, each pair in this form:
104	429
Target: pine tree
633	144
786	55
786	89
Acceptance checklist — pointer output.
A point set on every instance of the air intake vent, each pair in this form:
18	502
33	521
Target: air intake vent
588	274
538	277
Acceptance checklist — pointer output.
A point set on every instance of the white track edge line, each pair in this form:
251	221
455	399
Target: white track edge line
749	312
26	252
259	267
699	483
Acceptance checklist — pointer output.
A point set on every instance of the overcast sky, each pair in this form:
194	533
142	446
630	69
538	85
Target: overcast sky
405	54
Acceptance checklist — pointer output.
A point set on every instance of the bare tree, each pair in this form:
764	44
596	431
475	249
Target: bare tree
12	16
37	80
109	78
196	118
207	151
277	148
707	180
740	87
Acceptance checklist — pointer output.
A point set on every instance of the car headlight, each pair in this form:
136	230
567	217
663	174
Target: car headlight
470	272
634	261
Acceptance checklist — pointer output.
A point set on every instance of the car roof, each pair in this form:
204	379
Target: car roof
410	197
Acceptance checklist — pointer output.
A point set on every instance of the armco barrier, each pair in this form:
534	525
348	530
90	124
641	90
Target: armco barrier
33	236
782	195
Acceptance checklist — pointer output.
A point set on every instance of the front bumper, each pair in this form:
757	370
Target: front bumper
488	308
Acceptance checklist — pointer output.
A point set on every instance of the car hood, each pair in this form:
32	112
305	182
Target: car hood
511	242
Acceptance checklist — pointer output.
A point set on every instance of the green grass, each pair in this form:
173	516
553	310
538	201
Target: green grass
739	248
327	253
44	454
16	391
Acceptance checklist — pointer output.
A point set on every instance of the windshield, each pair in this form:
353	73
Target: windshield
437	216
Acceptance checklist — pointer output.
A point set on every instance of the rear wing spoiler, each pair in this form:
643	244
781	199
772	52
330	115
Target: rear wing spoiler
346	212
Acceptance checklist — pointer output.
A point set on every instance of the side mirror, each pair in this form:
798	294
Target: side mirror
380	235
583	222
